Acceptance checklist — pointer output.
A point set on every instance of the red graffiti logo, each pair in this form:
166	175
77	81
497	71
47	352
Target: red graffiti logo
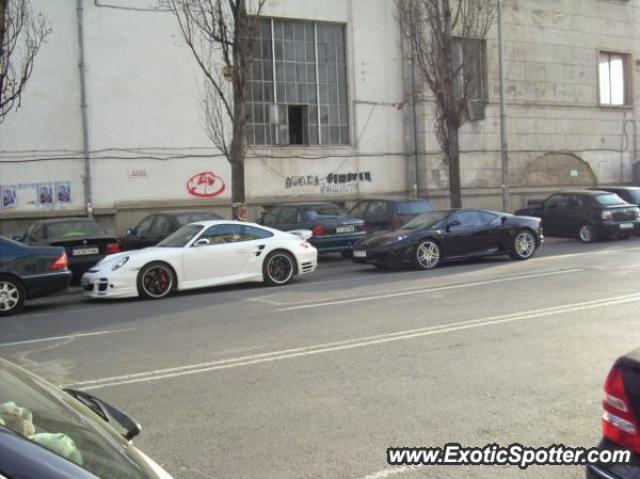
205	185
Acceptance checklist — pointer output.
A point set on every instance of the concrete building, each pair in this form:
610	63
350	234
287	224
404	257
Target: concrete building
331	114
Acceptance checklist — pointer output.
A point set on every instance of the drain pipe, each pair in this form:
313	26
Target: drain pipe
83	111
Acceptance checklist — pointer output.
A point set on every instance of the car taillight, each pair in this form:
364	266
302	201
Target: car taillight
112	248
606	215
619	424
396	222
61	263
636	211
305	245
317	230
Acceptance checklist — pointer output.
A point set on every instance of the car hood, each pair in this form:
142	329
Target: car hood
142	254
380	239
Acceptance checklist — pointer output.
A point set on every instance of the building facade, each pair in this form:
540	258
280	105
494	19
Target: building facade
333	114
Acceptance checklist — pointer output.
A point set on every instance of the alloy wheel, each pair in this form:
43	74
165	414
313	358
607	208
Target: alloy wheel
157	281
9	296
586	234
428	255
525	245
280	268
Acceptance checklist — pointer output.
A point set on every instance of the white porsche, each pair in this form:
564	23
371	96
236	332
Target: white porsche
203	254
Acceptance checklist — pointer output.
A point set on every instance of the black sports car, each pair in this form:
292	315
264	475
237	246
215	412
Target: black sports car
85	241
438	236
27	273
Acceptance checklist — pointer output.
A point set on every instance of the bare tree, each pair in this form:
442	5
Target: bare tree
221	36
21	35
439	32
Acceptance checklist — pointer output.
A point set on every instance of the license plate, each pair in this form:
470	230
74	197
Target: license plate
345	229
359	254
84	251
626	226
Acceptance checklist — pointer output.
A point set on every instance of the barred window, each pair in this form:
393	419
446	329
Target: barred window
298	89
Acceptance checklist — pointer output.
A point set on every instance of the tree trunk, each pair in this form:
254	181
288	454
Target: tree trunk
453	155
241	64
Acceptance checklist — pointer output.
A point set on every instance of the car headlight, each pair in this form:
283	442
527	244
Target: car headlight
398	239
120	263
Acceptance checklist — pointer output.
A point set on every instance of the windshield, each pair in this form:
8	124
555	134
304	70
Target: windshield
414	208
324	210
181	237
74	229
635	196
609	200
186	218
51	418
426	220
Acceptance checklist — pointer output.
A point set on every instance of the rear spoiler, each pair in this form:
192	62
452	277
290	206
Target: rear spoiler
302	234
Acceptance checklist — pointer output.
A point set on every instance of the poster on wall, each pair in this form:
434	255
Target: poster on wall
9	196
63	191
45	194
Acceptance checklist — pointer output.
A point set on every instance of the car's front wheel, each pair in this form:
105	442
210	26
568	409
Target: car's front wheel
12	296
156	280
587	233
427	255
278	268
524	245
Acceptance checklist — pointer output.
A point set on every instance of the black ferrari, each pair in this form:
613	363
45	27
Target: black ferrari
28	272
438	236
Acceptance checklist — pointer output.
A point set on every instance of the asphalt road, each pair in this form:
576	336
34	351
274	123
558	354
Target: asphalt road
317	379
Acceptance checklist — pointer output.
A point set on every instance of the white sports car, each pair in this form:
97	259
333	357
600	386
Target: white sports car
202	254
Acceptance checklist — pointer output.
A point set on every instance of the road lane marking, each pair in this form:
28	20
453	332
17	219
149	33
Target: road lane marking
69	336
161	374
414	291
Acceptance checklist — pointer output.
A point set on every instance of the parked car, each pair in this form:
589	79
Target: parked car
156	227
631	194
28	272
334	231
84	240
437	236
586	215
203	254
389	214
50	433
621	418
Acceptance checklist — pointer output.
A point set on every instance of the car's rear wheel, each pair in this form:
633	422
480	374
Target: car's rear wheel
587	233
278	268
12	296
156	280
524	245
427	255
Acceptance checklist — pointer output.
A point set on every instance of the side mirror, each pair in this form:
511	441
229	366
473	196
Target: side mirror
503	220
452	224
107	412
129	232
202	242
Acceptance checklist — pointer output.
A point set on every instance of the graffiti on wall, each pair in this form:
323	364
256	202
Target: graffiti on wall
45	194
205	184
331	183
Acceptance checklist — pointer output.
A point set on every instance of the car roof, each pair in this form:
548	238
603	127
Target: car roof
304	204
593	192
617	188
183	212
207	223
396	199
